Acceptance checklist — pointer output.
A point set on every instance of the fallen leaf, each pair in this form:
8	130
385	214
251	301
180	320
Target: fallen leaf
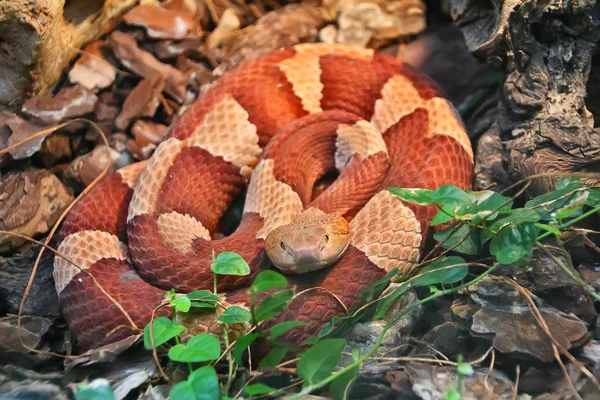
92	70
162	23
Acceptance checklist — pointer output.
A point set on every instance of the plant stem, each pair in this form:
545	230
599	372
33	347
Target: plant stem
229	358
307	390
571	222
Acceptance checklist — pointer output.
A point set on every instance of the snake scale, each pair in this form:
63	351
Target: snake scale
268	132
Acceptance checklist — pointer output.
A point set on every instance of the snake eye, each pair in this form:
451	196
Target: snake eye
283	245
326	238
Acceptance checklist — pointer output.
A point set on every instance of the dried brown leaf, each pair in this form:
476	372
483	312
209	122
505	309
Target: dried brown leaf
162	23
30	203
146	65
92	70
69	102
143	101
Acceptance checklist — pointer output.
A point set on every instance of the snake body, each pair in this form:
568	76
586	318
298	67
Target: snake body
270	129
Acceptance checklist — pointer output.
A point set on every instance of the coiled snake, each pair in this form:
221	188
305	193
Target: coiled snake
271	128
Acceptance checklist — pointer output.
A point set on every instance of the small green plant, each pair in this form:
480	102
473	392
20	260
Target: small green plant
462	369
477	223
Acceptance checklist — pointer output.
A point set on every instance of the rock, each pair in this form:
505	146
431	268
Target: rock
363	336
433	382
503	318
30	203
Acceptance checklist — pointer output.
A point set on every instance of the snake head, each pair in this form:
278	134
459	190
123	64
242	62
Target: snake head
313	240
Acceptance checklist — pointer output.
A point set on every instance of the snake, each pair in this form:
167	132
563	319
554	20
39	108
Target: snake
308	139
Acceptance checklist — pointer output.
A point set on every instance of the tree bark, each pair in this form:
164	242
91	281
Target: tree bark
545	48
39	38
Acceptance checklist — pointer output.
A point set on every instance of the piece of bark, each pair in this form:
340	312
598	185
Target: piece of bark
32	330
70	102
15	272
146	65
162	23
288	26
19	130
30	203
84	169
169	49
228	23
38	38
148	132
93	69
142	101
546	51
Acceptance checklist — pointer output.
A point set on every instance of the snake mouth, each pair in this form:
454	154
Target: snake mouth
304	261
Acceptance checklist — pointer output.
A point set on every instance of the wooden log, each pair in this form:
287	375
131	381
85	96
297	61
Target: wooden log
39	38
546	50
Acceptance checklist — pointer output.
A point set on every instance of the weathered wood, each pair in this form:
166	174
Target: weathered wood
546	50
39	38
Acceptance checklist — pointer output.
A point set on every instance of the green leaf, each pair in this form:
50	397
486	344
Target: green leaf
340	386
568	181
593	199
514	242
453	394
163	329
203	299
282	327
266	280
441	275
202	384
234	315
465	369
445	214
170	295
444	195
471	245
230	263
241	344
486	203
98	389
570	211
202	347
257	389
548	204
318	362
326	329
273	358
182	303
549	228
383	304
273	305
